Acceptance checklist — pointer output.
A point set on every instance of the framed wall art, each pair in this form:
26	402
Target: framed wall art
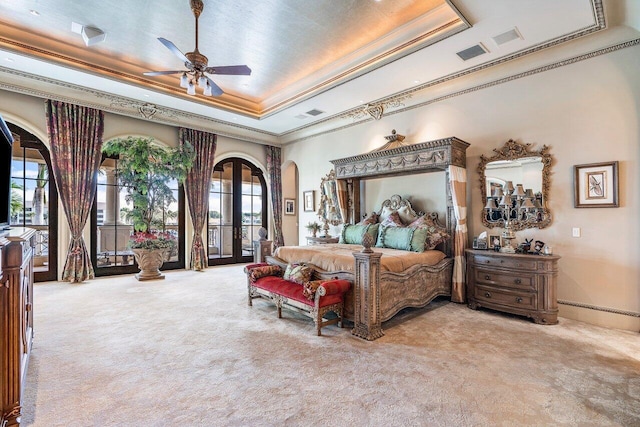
309	200
289	206
596	185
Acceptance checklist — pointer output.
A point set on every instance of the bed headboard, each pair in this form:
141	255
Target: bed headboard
397	204
407	214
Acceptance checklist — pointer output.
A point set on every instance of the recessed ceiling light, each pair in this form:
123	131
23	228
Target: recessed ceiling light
34	12
416	81
146	95
9	59
361	101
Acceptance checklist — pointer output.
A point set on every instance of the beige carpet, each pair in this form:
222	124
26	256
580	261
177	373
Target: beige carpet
188	351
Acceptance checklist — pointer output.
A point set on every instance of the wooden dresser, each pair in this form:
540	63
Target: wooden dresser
514	283
16	319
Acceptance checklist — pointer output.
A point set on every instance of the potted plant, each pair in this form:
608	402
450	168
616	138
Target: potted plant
313	228
144	172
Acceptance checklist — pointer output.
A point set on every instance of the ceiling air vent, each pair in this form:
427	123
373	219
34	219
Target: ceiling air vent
507	36
472	52
315	112
301	116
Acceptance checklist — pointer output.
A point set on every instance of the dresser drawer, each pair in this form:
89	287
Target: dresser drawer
521	280
520	263
516	299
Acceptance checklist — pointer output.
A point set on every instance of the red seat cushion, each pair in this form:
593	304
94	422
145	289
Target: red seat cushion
293	291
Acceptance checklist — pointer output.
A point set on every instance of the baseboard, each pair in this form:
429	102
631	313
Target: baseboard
601	316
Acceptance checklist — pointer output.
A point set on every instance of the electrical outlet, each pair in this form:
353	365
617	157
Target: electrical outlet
575	232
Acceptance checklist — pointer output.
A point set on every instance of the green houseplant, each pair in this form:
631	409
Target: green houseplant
144	172
313	228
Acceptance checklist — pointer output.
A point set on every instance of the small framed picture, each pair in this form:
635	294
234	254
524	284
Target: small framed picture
289	206
596	185
494	241
309	200
482	244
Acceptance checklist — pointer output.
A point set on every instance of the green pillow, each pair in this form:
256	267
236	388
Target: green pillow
352	234
403	238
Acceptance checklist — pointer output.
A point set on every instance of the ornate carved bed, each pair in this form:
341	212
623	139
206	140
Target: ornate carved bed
379	292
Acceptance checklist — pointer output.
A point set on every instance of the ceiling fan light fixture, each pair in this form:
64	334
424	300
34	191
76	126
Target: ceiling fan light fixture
184	81
207	90
202	81
191	90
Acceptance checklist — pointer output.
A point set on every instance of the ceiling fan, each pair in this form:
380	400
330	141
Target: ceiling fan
197	64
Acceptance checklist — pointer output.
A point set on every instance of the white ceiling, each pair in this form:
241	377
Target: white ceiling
337	56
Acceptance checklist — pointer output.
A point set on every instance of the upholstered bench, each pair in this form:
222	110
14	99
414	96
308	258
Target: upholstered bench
267	281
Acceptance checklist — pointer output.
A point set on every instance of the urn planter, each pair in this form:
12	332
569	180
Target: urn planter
149	261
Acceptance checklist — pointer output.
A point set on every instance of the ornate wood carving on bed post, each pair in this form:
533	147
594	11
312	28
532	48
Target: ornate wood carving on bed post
367	320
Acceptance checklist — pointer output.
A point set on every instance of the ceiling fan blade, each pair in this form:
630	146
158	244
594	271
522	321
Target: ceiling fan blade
215	89
172	47
161	73
235	70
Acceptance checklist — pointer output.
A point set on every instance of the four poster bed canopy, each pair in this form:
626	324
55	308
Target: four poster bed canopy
379	292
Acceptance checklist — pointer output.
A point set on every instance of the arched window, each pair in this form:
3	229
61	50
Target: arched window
34	202
111	226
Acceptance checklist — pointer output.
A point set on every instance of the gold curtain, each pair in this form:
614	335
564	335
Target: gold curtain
458	183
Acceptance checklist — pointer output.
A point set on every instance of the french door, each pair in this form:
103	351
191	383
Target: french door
34	200
237	210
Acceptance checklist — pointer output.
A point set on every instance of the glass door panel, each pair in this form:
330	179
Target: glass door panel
236	211
34	200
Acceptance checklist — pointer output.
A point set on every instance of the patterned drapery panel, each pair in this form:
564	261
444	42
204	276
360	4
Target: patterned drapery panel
274	169
197	187
75	136
458	183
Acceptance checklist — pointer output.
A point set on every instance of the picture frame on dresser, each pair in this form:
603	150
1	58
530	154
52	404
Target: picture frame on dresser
596	185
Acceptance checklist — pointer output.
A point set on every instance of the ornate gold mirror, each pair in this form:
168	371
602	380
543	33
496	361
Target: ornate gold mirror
330	210
515	187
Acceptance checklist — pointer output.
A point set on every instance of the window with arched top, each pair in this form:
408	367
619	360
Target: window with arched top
111	225
34	199
237	210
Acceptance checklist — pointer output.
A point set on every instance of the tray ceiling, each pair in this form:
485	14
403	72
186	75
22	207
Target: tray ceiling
334	57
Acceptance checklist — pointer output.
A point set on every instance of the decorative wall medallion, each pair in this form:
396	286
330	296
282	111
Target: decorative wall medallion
375	111
148	111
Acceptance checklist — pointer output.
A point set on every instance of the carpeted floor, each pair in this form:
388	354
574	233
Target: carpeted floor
188	351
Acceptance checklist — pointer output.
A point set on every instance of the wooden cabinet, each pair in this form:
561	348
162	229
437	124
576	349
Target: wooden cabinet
16	319
321	240
514	283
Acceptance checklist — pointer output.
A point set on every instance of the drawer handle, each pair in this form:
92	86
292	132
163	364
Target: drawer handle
487	295
519	300
487	277
518	281
488	261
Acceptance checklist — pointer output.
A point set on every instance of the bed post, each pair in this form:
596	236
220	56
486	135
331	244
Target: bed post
262	246
366	316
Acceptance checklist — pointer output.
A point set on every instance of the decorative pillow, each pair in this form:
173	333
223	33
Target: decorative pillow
352	234
392	220
266	270
298	273
436	234
374	218
403	238
309	289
